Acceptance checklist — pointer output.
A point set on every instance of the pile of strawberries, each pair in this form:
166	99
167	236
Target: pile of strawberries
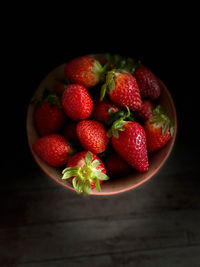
101	118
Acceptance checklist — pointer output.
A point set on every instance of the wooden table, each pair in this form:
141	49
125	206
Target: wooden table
43	224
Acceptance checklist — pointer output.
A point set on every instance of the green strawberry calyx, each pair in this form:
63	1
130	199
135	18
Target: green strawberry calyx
119	62
113	116
109	84
119	123
53	99
83	176
99	70
161	119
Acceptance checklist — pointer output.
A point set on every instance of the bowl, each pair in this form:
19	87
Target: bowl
112	186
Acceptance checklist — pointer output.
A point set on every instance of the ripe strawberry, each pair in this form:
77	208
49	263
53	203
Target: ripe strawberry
129	141
70	133
146	111
159	129
92	135
116	166
86	171
49	117
147	82
122	89
52	149
103	110
77	102
84	70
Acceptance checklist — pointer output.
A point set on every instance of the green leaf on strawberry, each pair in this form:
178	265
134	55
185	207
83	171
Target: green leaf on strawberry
117	125
95	163
97	185
159	129
87	174
53	99
88	158
160	118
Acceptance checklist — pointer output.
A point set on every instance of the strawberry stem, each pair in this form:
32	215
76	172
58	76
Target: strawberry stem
99	70
115	116
118	125
109	84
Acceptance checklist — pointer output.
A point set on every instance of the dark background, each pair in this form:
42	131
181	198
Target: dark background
42	224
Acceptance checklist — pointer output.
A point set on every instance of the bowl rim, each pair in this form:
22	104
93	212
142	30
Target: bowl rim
121	190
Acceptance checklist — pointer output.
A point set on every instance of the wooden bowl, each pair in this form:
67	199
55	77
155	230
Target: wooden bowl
112	186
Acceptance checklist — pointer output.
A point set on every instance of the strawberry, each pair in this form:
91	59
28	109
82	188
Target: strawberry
122	89
49	117
52	149
147	82
92	135
145	112
70	133
86	171
103	110
84	70
77	102
129	141
159	129
116	166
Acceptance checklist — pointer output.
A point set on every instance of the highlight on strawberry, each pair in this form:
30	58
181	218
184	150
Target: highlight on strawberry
121	129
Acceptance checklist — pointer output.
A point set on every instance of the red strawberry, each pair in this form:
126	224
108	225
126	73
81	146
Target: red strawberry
52	149
70	133
92	135
86	171
84	70
145	112
159	129
49	117
129	141
77	102
122	89
103	110
147	82
116	166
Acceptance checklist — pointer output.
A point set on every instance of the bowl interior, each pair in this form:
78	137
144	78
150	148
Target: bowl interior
113	185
